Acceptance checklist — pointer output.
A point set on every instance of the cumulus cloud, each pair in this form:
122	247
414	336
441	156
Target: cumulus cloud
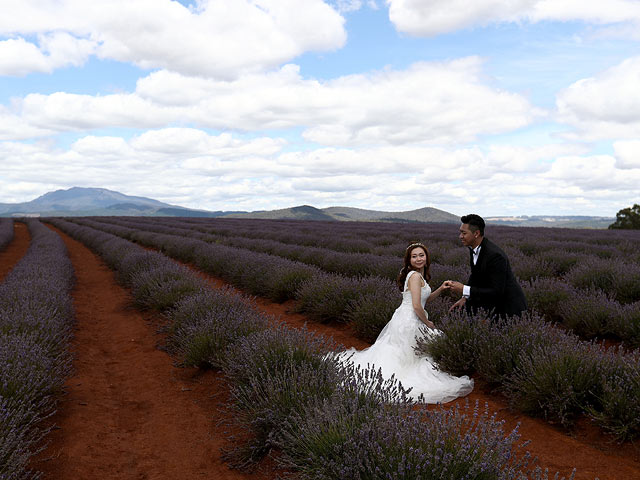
627	154
15	127
438	102
434	17
19	57
192	168
606	106
216	38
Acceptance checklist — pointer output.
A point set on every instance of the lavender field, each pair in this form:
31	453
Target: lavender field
286	394
573	354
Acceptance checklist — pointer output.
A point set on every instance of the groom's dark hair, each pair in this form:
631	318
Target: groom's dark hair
474	221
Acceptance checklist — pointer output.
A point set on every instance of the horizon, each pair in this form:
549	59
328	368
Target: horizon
493	217
509	109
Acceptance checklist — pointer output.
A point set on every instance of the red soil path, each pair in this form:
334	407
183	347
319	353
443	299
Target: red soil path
15	250
129	414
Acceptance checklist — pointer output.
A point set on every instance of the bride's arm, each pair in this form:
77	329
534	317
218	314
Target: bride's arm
436	293
415	287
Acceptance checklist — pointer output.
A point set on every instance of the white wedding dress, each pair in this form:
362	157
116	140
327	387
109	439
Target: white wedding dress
393	353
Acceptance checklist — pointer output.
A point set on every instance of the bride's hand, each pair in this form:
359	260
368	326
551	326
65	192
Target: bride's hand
430	324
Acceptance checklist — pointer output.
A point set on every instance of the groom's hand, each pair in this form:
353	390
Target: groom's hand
455	287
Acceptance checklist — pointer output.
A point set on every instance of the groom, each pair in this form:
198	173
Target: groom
492	285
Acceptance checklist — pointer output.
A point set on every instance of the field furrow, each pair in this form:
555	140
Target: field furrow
128	412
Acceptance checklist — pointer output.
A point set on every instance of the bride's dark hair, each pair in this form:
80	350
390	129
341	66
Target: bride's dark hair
406	267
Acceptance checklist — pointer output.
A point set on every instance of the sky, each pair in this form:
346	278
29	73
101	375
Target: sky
496	107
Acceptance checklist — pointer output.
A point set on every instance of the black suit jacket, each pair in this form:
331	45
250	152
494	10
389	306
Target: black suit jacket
493	284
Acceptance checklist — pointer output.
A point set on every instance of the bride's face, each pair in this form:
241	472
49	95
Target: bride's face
418	258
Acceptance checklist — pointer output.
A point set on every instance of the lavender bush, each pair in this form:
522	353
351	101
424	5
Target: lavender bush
590	313
557	381
457	350
619	278
273	374
627	325
351	436
269	350
35	328
313	440
161	287
371	311
547	295
503	342
20	435
269	398
618	401
561	259
203	325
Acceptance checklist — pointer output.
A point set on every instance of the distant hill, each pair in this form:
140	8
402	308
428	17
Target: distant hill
307	212
342	214
559	221
78	201
303	212
84	202
426	214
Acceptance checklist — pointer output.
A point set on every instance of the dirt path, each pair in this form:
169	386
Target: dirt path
129	413
15	250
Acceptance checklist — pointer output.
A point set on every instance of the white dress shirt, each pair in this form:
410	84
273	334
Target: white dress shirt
466	289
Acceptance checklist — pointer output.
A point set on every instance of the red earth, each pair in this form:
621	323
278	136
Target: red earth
129	413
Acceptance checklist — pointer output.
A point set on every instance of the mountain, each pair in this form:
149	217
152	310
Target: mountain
78	201
306	212
426	214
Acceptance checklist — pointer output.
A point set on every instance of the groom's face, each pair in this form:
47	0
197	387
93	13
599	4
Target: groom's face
468	237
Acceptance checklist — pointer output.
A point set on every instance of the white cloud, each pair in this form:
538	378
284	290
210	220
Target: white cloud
606	106
439	102
593	173
68	112
19	57
627	154
218	38
15	127
224	172
434	17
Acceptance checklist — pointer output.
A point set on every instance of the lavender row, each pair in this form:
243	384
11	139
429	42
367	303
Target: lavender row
6	232
540	255
542	370
578	299
288	394
332	261
36	319
619	277
324	297
390	238
587	264
588	312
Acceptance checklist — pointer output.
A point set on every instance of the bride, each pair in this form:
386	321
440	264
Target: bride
393	350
